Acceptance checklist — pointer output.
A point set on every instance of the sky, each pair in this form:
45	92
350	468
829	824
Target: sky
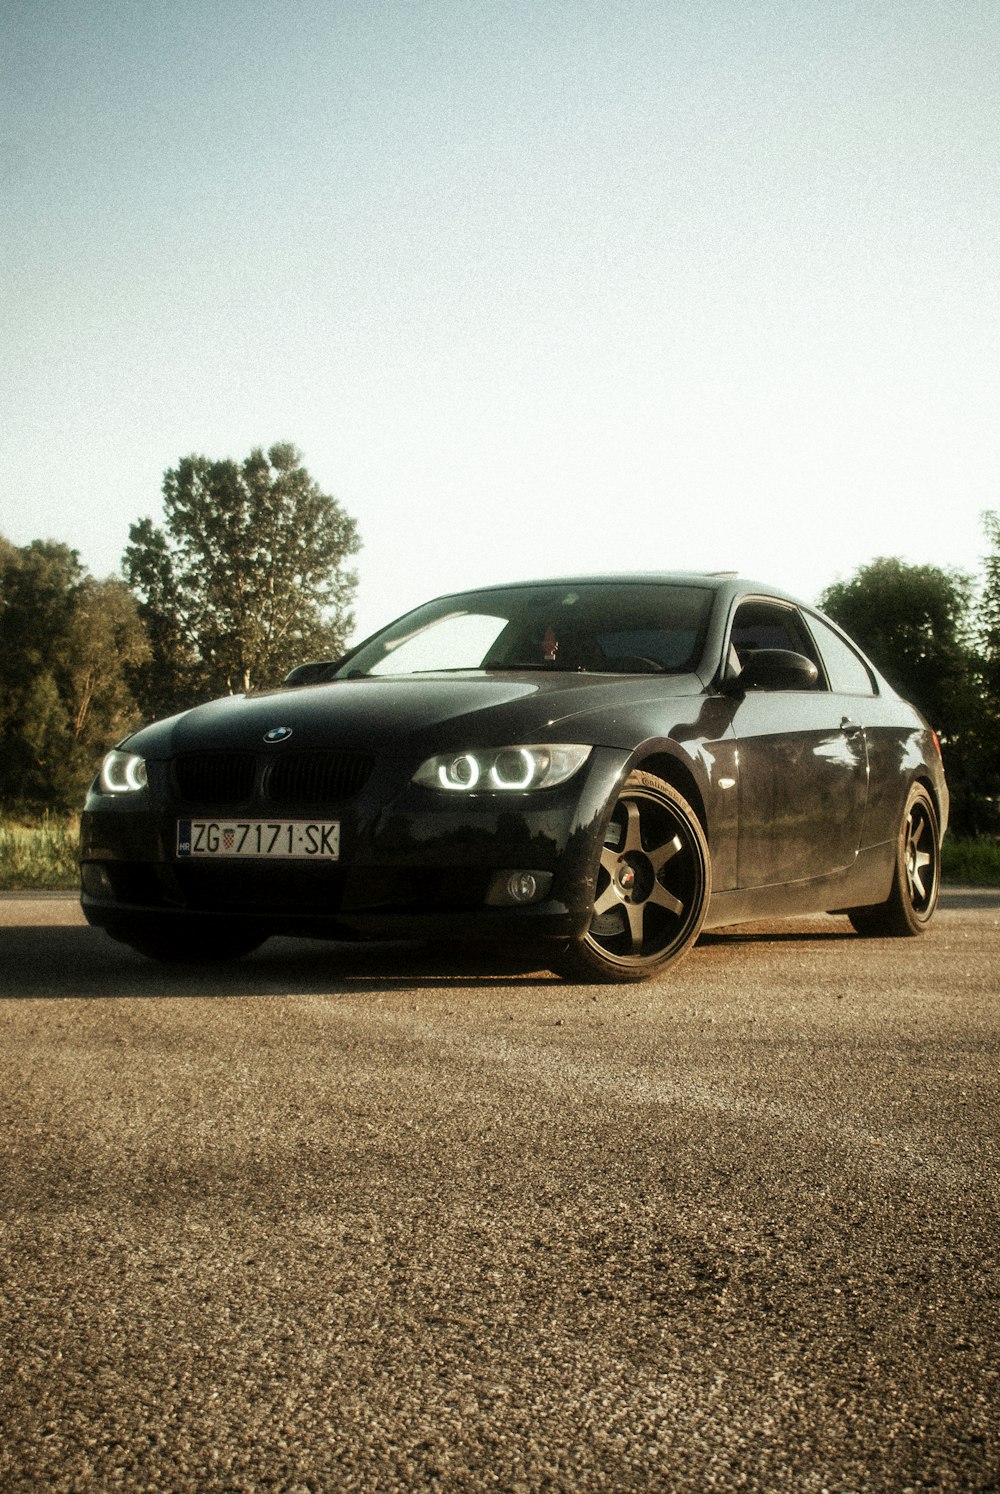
535	288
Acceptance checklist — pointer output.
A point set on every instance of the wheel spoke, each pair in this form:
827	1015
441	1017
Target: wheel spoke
918	861
609	898
663	854
664	899
634	912
633	829
921	862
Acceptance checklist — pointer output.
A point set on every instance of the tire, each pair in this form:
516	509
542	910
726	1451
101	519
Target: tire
653	885
171	943
916	879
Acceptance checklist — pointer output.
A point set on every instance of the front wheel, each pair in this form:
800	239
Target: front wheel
916	879
653	885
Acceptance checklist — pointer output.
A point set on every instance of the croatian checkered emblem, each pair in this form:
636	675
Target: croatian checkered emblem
228	837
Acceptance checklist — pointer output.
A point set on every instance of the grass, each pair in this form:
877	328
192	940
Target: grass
42	856
974	862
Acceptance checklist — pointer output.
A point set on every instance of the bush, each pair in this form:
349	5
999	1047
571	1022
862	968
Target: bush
43	855
974	861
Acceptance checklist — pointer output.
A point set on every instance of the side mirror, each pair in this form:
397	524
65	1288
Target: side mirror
776	669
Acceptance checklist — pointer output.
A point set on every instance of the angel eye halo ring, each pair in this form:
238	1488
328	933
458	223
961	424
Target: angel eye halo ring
503	770
122	773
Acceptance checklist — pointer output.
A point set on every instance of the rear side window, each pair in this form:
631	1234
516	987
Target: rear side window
847	671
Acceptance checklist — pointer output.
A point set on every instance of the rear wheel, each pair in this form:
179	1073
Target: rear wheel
653	885
171	943
917	877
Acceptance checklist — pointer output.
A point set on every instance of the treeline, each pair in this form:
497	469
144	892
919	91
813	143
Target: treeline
248	575
70	652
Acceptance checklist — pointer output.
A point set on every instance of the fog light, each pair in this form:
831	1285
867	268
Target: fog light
517	888
523	887
95	880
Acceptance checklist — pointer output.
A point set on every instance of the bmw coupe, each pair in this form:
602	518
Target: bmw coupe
591	769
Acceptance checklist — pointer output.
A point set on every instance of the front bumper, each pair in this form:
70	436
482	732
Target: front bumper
414	864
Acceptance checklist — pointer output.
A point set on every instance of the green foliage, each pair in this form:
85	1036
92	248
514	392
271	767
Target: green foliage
67	643
247	578
990	606
108	644
42	855
971	862
989	646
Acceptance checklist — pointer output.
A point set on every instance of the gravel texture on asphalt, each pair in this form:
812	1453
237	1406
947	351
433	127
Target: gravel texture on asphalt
381	1219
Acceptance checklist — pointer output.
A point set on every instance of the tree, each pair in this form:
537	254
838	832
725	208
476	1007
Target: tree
989	618
107	645
915	623
989	644
38	585
247	577
67	643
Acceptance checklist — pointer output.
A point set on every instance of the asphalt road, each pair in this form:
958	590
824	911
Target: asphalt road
377	1219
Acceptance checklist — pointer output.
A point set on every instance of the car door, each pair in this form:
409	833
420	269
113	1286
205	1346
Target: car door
803	761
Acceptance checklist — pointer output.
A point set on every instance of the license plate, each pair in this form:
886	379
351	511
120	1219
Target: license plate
268	840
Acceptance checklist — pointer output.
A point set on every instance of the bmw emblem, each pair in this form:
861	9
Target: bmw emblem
278	734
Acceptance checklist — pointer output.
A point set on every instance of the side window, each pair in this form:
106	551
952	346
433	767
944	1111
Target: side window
769	625
848	674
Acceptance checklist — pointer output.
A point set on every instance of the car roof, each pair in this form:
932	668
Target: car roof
721	581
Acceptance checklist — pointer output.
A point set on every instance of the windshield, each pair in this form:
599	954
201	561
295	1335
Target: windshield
602	627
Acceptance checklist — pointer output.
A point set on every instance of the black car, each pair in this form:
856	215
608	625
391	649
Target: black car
591	769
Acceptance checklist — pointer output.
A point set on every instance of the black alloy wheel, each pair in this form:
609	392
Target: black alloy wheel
917	876
653	885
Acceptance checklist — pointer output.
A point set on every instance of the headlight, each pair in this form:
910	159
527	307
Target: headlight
122	773
507	770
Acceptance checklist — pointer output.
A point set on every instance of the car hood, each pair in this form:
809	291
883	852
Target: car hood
450	709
